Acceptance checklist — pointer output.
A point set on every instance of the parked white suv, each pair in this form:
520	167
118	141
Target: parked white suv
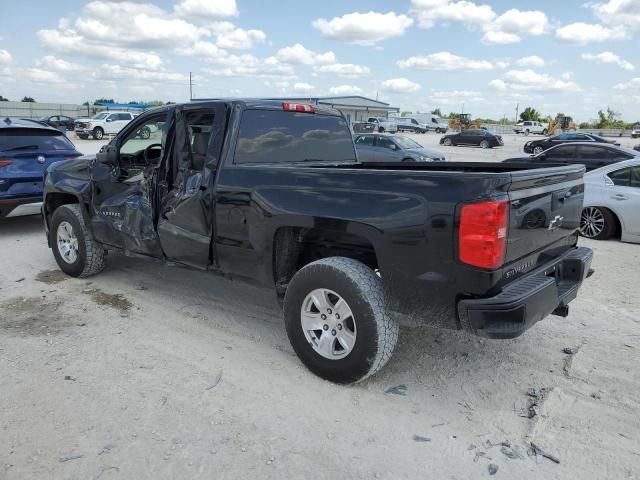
530	127
101	124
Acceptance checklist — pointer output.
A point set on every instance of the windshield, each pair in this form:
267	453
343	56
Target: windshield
27	139
99	116
406	142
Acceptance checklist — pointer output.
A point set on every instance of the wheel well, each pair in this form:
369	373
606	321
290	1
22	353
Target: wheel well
618	230
55	200
295	247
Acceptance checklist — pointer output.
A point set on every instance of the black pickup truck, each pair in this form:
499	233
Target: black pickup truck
274	192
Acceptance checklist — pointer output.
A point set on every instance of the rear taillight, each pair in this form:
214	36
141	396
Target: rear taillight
483	233
298	107
4	162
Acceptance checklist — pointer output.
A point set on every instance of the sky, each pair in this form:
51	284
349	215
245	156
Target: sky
484	56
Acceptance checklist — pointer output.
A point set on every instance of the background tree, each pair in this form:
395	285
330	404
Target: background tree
436	112
27	99
3	99
104	100
530	114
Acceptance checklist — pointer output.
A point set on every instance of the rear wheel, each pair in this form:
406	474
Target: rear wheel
484	144
75	252
380	129
337	321
545	131
597	223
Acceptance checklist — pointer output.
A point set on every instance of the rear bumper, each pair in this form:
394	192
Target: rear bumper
16	207
524	302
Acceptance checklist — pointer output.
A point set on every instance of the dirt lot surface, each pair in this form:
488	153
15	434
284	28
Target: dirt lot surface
147	371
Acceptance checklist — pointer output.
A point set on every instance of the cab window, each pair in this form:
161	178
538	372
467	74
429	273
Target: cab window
147	136
366	140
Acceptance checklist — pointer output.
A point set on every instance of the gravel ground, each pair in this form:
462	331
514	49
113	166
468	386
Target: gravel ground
146	371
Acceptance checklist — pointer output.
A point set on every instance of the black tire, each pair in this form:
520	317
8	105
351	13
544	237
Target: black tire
538	149
484	144
90	257
447	142
544	132
145	133
380	129
526	132
608	228
97	133
361	288
408	159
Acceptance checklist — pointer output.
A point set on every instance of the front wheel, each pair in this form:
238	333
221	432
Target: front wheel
545	131
337	321
537	150
526	133
381	130
98	133
75	252
484	144
597	223
447	142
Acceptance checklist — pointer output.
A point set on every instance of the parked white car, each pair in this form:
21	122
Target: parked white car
612	202
389	125
635	133
101	124
530	127
431	122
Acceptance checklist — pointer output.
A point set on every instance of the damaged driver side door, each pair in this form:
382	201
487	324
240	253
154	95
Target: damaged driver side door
124	181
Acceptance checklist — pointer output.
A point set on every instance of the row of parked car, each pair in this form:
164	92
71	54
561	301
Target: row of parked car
101	124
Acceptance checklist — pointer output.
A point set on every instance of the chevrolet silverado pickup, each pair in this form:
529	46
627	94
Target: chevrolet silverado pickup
274	192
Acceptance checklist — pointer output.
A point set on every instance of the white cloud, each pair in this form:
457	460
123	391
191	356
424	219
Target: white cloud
400	85
40	75
49	62
303	87
348	70
528	80
500	38
206	9
512	25
618	12
240	39
71	43
345	90
608	57
567	76
363	28
118	72
633	84
445	61
5	56
531	61
431	12
298	54
583	33
246	65
455	97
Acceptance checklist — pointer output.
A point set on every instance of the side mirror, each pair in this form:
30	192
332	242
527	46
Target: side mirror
109	120
108	155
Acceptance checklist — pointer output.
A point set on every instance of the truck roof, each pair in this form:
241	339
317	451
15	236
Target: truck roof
261	103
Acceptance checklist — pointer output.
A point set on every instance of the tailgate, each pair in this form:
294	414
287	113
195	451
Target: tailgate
546	205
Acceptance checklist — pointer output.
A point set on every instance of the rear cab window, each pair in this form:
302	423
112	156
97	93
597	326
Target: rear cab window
275	136
29	139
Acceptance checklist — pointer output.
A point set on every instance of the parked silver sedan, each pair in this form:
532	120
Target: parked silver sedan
612	202
373	147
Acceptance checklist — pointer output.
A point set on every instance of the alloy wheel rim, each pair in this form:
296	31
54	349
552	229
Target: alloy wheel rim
67	242
328	324
592	222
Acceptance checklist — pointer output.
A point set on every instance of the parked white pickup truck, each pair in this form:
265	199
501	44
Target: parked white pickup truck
101	124
530	127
